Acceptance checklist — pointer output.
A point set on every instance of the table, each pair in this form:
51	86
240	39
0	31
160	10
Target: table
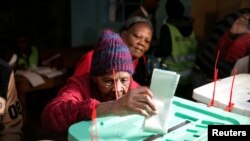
23	87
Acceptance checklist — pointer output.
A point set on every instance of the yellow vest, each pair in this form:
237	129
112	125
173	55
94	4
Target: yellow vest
29	61
182	58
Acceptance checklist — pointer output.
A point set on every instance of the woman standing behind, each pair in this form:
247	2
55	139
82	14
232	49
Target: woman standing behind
137	34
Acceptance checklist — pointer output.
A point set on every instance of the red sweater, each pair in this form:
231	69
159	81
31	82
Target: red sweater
73	103
231	50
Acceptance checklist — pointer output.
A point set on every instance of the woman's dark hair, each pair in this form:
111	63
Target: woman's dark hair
131	21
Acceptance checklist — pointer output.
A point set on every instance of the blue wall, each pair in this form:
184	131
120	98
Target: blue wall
89	17
83	22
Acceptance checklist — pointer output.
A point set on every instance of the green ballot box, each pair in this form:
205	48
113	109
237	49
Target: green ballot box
188	121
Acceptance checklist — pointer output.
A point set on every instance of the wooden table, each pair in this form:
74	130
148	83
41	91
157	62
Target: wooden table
23	87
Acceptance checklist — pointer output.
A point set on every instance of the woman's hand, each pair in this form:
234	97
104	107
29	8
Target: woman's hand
136	101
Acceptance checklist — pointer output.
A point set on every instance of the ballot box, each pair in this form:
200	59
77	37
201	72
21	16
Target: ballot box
188	121
240	93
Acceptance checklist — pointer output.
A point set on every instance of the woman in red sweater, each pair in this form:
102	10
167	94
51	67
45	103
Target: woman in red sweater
235	43
137	34
231	37
107	90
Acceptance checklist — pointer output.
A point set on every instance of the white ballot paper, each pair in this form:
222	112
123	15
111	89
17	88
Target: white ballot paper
34	78
49	72
163	85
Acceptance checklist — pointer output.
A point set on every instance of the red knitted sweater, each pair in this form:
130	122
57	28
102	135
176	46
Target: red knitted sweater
73	103
231	50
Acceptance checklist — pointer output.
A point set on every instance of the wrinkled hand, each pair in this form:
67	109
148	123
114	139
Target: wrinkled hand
241	25
136	101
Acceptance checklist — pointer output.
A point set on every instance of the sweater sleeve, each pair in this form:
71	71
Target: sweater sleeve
240	48
72	104
232	50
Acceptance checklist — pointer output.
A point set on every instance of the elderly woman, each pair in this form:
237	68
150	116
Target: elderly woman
108	89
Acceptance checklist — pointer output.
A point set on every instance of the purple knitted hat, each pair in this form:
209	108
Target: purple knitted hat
111	53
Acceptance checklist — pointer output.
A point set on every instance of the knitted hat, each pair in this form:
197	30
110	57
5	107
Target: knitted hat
111	53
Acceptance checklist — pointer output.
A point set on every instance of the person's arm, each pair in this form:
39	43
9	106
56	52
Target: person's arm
12	121
72	104
136	101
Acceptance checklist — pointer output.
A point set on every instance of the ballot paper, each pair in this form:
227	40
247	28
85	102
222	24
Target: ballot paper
48	71
163	85
34	78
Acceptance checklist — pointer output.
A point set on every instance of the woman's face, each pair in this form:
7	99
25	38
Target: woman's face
138	39
111	86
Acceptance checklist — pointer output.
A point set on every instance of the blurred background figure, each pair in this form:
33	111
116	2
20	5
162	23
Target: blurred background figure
27	54
11	120
231	36
235	43
178	45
